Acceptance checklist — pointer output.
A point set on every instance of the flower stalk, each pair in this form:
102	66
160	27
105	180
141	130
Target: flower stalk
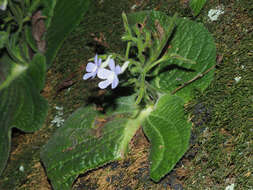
149	46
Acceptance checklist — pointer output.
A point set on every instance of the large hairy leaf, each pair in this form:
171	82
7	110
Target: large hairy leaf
67	15
169	133
191	41
48	10
88	140
21	104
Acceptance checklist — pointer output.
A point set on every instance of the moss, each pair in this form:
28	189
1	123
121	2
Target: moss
224	155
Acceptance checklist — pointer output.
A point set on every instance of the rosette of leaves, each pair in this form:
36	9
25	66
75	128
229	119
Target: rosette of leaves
33	28
90	139
22	77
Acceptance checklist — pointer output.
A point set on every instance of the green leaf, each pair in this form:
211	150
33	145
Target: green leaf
3	38
196	6
89	139
21	104
169	133
46	13
9	70
191	41
67	15
29	38
48	10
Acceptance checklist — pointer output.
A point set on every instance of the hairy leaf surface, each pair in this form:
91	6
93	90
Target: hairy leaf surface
169	133
192	41
48	10
88	140
9	70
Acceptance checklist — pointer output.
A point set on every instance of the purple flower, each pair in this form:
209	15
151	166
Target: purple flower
111	75
92	68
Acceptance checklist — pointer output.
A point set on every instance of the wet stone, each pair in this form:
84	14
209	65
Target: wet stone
126	164
202	115
172	178
86	186
114	178
193	138
191	153
177	187
114	165
140	173
127	188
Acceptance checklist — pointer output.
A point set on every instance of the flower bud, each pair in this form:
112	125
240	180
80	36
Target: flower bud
106	63
125	65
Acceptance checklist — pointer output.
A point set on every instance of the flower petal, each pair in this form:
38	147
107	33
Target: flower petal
104	84
88	75
112	64
104	73
115	82
117	70
99	62
91	67
96	59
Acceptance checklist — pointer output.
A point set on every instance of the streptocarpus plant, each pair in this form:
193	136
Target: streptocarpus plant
162	67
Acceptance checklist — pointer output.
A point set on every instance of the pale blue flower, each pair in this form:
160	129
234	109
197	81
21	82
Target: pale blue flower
3	5
111	75
92	68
